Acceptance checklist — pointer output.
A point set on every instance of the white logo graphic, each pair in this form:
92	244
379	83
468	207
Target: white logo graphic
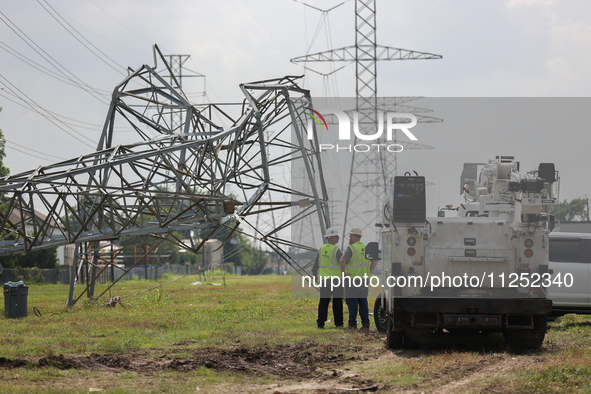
345	130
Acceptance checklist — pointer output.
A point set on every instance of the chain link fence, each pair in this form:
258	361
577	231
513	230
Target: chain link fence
64	274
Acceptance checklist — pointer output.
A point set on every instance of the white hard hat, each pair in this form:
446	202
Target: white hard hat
332	232
355	231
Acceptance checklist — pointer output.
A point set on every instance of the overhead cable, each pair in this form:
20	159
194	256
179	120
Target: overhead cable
58	66
110	16
28	154
43	69
33	150
120	70
36	107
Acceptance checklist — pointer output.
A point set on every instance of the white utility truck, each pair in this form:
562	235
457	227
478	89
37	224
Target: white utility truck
482	271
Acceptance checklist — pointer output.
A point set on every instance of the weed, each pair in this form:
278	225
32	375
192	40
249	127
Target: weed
167	276
559	379
116	345
86	304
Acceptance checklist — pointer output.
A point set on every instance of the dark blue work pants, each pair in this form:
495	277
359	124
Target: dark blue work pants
357	302
337	306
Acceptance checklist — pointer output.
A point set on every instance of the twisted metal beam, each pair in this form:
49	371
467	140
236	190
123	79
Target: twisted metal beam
219	166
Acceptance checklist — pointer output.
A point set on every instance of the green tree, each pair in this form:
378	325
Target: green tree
188	257
137	247
574	210
46	258
237	249
4	171
253	260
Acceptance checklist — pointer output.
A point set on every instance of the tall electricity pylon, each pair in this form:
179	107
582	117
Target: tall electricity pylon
201	176
365	54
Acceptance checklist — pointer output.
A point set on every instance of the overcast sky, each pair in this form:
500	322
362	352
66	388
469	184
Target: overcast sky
502	48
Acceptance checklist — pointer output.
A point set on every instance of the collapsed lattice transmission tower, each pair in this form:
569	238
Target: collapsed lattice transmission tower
222	166
369	172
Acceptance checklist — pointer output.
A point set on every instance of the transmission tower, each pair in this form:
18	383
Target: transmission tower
366	53
222	176
175	66
177	70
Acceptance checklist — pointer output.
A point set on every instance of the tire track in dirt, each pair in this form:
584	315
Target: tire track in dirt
502	368
331	381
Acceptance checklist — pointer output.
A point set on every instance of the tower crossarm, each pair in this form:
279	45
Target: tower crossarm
347	54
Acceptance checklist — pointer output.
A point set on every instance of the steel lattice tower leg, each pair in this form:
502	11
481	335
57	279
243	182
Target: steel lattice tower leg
366	88
369	172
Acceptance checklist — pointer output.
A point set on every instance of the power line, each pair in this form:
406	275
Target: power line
143	54
127	28
83	85
36	151
33	105
28	154
81	36
43	69
323	22
96	127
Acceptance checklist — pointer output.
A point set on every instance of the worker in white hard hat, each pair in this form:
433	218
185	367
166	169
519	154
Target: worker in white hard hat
326	266
354	265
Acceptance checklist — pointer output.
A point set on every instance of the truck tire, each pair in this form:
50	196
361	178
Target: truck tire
410	343
528	339
393	338
524	339
380	315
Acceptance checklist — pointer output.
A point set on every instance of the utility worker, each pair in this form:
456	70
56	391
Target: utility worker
355	265
326	266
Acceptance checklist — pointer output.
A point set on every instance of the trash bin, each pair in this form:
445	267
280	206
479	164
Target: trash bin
15	299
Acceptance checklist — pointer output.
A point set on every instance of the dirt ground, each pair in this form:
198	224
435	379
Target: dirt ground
312	367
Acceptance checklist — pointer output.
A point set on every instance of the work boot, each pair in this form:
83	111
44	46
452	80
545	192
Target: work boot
365	330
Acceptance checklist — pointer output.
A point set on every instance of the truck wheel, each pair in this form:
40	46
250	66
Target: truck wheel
410	343
415	337
393	338
380	315
528	339
524	339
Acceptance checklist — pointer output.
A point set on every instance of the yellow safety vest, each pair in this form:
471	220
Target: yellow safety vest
358	265
328	265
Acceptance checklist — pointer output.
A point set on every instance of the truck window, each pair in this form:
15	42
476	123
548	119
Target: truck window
565	251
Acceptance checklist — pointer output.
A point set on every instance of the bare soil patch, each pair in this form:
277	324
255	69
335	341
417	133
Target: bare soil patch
312	367
300	360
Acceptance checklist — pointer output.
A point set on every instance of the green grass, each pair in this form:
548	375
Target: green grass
249	311
177	319
560	379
